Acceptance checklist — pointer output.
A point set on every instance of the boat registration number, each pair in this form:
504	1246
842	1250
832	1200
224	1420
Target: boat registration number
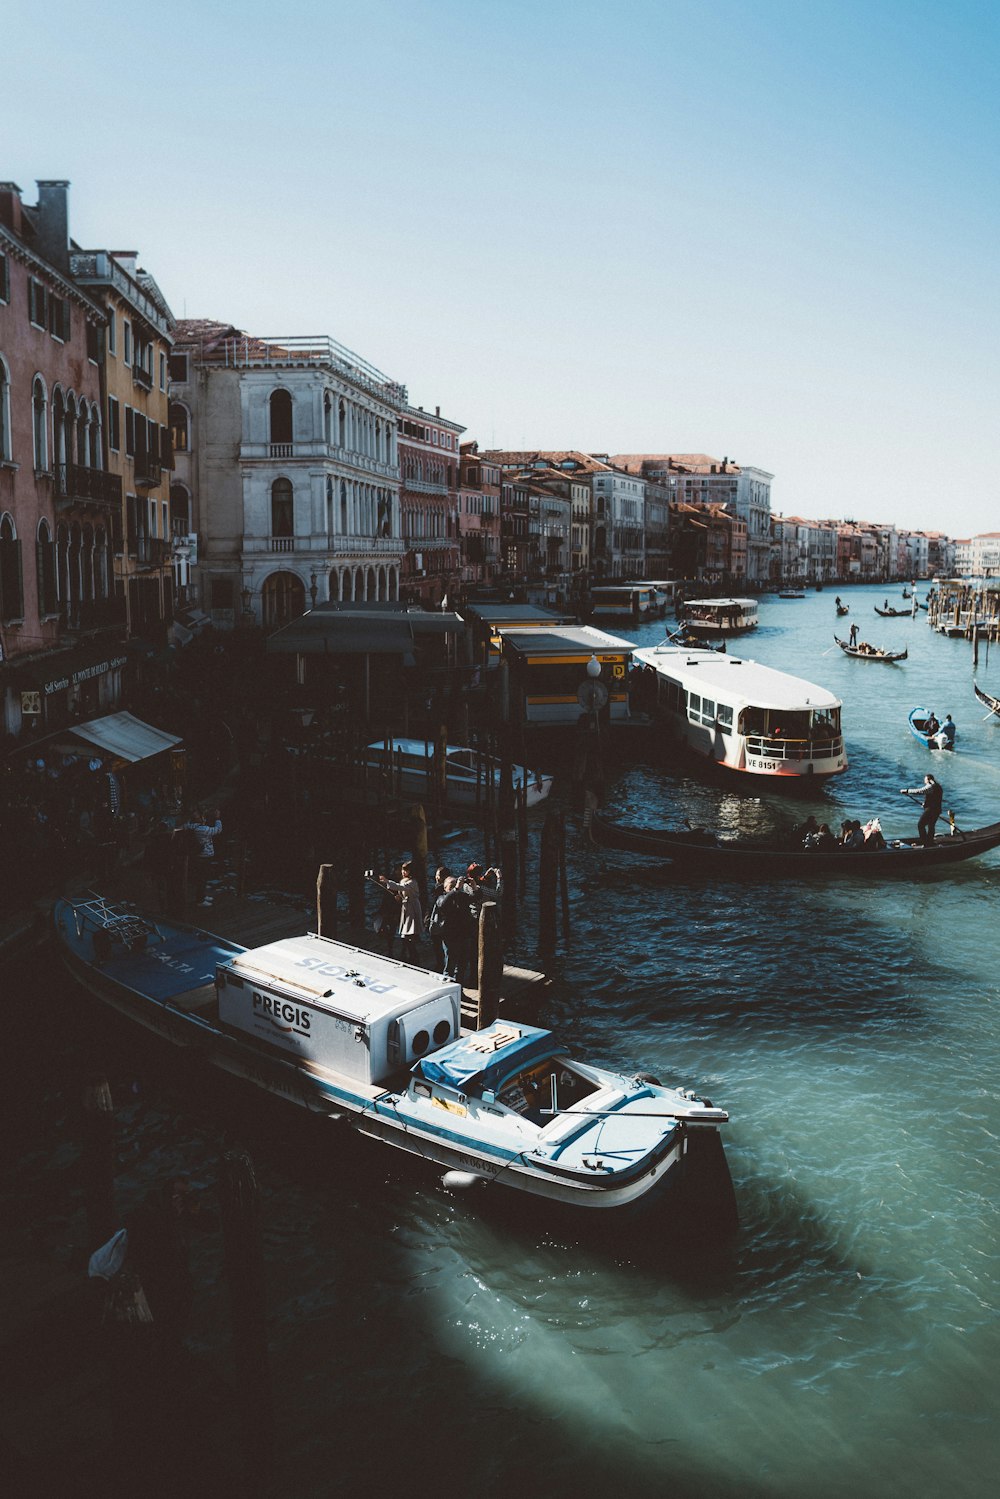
450	1107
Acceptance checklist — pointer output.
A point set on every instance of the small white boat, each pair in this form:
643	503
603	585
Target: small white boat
411	766
378	1045
720	616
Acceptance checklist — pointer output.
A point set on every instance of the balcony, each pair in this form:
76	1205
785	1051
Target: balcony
281	450
76	485
141	377
423	486
148	472
150	551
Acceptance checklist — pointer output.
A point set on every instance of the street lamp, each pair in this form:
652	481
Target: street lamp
593	668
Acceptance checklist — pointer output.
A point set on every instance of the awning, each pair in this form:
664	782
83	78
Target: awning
123	735
63	669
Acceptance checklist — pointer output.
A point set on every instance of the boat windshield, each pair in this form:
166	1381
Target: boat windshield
776	723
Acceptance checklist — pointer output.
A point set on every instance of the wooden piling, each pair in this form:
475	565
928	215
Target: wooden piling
563	877
547	882
326	901
244	1264
490	965
99	1159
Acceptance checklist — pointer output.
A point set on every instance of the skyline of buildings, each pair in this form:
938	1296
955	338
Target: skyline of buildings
151	465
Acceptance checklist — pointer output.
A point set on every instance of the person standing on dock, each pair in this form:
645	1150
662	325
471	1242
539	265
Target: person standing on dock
933	795
411	919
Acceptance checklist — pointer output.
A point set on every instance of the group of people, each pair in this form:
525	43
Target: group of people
451	923
856	836
944	733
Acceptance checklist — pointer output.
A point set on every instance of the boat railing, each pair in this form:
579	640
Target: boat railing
119	920
794	749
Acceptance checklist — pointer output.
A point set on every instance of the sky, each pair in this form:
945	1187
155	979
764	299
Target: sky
761	229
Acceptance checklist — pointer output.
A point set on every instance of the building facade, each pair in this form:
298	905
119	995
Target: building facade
286	473
430	475
62	619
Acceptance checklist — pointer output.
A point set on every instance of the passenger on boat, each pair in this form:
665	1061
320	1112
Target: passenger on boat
825	841
932	725
947	730
854	838
933	795
807	833
873	834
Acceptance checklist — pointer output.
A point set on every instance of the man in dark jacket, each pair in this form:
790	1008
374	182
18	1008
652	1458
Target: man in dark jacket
933	795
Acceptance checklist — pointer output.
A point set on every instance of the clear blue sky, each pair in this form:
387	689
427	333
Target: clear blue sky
765	229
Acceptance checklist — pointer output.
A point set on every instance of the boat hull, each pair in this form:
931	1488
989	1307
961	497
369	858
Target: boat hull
704	854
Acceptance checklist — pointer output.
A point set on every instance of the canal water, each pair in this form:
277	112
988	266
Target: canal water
846	1344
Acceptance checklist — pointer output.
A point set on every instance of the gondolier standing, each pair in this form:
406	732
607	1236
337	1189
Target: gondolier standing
933	795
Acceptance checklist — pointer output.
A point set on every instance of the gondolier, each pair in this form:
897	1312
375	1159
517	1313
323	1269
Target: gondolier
933	795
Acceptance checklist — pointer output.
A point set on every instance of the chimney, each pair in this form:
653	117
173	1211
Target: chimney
52	218
10	208
437	410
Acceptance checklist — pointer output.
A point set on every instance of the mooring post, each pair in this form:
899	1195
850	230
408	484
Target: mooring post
244	1263
563	877
99	1161
419	817
490	965
326	902
547	881
355	875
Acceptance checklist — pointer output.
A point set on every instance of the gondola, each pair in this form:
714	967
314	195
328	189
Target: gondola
906	593
993	703
936	741
843	609
871	654
893	613
758	859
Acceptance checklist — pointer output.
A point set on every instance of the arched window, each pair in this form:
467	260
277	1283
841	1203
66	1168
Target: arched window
82	423
45	570
342	423
180	510
343	507
281	421
6	450
11	582
283	597
282	512
329	505
327	417
179	426
87	563
39	424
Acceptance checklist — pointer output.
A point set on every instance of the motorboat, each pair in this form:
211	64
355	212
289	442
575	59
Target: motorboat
378	1045
938	739
410	766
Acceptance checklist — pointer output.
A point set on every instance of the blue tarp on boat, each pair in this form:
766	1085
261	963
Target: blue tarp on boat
485	1058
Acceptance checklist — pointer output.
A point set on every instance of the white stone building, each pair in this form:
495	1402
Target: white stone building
288	473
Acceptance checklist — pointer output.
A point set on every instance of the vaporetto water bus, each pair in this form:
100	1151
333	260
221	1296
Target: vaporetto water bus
743	716
720	616
378	1045
625	601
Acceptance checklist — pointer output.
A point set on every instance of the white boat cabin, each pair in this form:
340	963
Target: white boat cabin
333	1006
